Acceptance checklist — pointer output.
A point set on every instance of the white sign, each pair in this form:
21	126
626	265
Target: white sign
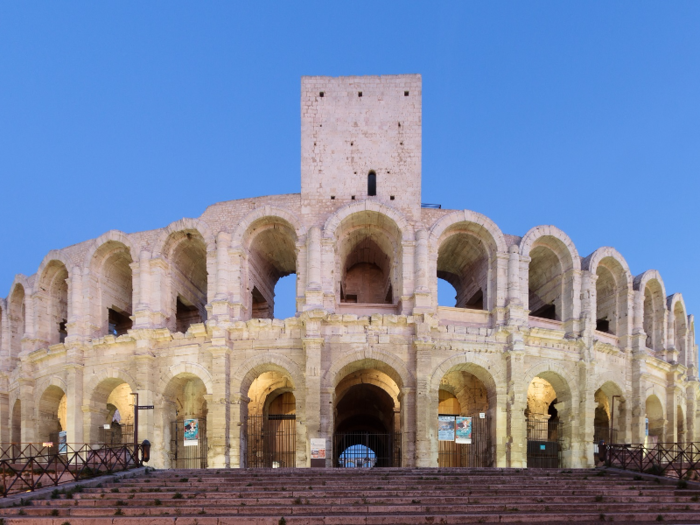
482	415
107	426
318	448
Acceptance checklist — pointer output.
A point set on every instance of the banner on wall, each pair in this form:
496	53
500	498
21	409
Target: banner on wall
446	428
191	432
318	448
63	442
463	430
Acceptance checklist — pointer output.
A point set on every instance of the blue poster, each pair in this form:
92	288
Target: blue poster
464	430
191	432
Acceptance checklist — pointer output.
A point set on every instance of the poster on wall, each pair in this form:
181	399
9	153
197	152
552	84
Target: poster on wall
191	432
463	430
63	442
318	448
446	428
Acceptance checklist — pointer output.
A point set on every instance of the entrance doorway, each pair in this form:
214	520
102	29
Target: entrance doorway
544	431
367	421
271	436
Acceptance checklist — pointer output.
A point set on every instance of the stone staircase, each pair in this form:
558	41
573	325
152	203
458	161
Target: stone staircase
371	496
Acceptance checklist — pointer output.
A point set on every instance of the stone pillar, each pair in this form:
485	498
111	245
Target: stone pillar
692	434
588	303
74	403
638	398
221	308
26	395
5	416
583	418
318	418
142	311
426	420
314	283
515	311
143	365
218	417
238	288
237	428
407	398
516	402
423	299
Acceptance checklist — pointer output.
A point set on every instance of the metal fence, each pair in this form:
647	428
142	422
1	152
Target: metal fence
543	443
673	460
366	449
478	453
192	456
271	441
26	467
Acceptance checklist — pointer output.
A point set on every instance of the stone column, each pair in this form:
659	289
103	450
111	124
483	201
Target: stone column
423	299
638	398
237	442
318	417
692	433
74	402
218	418
5	415
515	311
516	401
584	417
221	307
26	395
407	398
314	285
426	420
142	311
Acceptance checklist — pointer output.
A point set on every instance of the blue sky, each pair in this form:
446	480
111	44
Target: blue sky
127	115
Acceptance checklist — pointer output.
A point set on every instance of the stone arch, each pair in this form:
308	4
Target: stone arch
252	367
613	286
604	417
270	238
118	374
334	221
382	361
51	300
473	364
187	246
655	413
552	273
186	369
101	403
653	296
368	253
110	286
678	326
463	251
51	411
17	314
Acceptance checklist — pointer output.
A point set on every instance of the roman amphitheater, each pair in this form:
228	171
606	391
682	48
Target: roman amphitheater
545	349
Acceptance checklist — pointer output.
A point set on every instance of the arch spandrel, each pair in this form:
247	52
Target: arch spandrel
557	376
592	262
54	256
640	281
483	224
162	246
475	365
185	369
399	221
118	374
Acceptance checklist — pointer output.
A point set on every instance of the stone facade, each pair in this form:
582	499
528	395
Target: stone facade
184	315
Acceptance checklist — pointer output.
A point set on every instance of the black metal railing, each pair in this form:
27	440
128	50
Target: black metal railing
543	443
367	449
271	441
26	467
191	454
674	460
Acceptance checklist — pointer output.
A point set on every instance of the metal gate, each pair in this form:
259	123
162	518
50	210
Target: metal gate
117	434
366	449
543	443
191	456
478	453
271	441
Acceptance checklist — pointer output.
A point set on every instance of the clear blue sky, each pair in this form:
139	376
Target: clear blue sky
130	115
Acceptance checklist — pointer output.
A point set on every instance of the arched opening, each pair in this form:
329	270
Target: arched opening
185	418
464	262
16	312
371	184
16	430
548	427
368	261
655	422
271	244
546	280
680	330
612	292
187	253
112	282
271	422
367	420
52	414
53	309
610	418
466	418
654	313
680	425
111	420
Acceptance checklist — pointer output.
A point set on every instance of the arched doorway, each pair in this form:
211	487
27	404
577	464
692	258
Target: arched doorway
270	425
548	428
185	409
52	415
610	418
655	423
367	420
111	421
466	422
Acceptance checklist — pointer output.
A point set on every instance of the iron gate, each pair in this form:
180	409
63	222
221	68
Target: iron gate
117	434
543	443
366	449
271	441
191	456
478	453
